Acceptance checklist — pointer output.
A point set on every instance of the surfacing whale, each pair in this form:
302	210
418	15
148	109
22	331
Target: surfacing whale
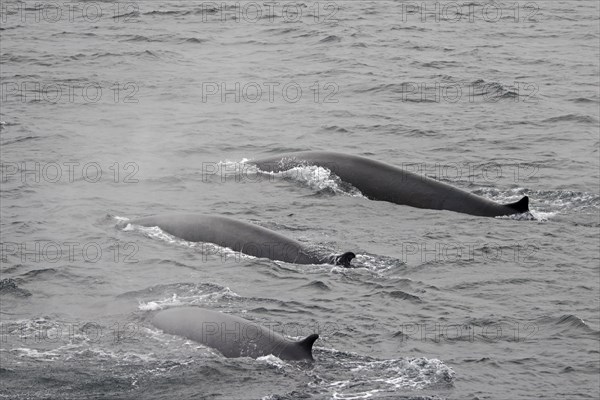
232	336
240	236
380	181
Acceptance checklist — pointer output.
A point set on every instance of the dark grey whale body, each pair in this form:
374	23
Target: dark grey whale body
240	236
380	181
232	336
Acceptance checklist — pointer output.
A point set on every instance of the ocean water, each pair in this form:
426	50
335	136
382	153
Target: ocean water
112	111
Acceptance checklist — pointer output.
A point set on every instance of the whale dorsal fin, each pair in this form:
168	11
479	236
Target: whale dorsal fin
520	206
306	344
345	259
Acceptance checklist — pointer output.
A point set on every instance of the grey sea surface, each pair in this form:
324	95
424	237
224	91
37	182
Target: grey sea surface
113	111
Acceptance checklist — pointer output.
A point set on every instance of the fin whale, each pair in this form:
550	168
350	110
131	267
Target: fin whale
240	236
380	181
232	336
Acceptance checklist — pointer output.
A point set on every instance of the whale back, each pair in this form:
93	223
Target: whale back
232	336
239	236
380	181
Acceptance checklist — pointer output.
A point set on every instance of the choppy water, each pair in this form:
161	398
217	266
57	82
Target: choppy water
113	111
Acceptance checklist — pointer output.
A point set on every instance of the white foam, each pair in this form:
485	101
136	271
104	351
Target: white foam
543	216
159	304
49	355
176	300
317	178
390	376
272	361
